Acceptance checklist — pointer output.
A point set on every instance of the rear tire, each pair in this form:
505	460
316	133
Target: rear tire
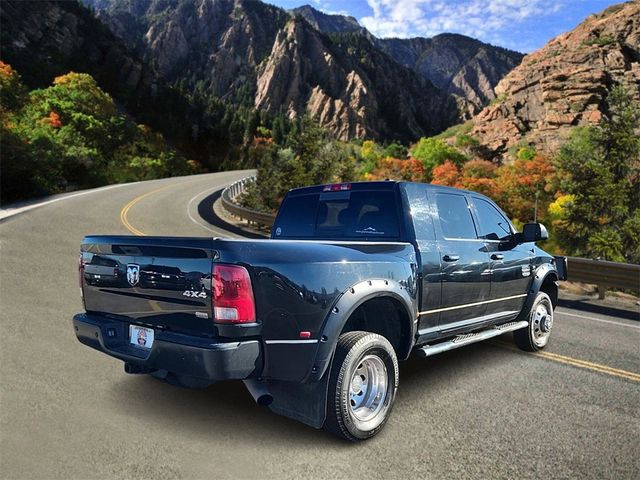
362	385
536	336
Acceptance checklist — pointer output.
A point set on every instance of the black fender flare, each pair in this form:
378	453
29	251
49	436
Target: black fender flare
540	275
346	304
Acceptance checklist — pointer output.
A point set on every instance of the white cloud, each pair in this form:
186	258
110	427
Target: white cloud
490	20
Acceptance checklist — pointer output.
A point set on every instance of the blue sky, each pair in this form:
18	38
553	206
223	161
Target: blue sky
522	25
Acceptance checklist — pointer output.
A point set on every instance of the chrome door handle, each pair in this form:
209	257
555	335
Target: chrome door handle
451	258
497	256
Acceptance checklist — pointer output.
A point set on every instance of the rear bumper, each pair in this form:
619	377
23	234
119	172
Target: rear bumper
174	352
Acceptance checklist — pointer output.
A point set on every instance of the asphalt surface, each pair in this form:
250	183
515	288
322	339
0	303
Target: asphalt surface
484	411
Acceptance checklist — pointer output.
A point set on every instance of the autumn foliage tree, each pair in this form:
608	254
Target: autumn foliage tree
526	187
410	170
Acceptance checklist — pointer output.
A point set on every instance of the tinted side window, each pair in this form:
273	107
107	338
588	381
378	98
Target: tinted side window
493	225
420	210
455	216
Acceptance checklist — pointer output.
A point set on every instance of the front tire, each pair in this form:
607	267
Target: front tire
362	385
536	336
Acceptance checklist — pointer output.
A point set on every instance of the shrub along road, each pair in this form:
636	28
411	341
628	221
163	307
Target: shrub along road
484	411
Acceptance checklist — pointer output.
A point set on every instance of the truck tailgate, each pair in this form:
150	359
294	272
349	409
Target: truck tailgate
162	282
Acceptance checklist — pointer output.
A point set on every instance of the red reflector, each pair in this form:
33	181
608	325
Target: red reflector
305	334
232	295
337	187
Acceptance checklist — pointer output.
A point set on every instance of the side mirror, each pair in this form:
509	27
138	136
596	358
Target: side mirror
533	232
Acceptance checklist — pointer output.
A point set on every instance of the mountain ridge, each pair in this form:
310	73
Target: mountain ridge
458	64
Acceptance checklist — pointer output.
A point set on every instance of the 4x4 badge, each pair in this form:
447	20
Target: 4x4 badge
133	273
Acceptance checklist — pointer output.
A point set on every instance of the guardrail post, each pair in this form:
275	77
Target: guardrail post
601	291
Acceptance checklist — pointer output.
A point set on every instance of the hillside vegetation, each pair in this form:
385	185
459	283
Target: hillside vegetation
71	135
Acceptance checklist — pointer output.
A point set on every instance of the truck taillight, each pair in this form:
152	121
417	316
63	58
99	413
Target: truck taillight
232	295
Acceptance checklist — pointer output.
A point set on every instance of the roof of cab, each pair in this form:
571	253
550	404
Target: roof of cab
378	185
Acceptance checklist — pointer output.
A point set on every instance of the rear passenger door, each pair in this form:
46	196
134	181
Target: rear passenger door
510	264
466	267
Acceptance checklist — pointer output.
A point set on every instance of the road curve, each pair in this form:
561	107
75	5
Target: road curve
484	411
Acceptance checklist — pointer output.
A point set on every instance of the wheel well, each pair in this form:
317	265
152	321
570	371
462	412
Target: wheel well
550	288
385	316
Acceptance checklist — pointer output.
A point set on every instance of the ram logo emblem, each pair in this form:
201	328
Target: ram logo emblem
133	274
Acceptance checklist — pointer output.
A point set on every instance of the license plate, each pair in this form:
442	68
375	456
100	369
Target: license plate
140	336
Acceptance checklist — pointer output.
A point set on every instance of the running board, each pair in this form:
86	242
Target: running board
469	338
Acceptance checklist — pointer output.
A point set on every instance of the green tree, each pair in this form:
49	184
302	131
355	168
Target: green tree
433	152
600	168
396	150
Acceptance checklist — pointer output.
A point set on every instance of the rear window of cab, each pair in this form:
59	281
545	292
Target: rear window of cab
350	215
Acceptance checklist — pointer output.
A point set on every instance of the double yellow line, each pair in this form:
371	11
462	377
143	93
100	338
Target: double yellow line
595	367
127	207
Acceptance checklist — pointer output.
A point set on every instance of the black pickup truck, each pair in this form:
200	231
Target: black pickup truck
314	320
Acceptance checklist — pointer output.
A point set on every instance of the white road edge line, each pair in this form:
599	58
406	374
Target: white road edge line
598	319
10	212
216	231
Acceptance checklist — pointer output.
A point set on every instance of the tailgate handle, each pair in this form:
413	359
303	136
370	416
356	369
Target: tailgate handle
451	258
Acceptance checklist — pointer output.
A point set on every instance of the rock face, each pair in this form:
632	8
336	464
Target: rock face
217	42
565	83
307	72
459	65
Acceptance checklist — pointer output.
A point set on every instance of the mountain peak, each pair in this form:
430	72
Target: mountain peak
327	22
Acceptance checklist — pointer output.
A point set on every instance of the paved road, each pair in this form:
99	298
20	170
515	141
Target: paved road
485	411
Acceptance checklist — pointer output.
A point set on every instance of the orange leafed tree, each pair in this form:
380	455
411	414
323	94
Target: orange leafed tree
480	176
398	169
524	180
447	174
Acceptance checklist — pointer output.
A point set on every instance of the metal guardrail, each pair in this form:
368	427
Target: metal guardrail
602	273
229	196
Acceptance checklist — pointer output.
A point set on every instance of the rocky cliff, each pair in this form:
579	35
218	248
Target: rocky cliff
565	83
349	86
459	65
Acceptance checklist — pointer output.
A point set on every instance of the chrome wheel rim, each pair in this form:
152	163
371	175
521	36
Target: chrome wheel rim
368	388
541	324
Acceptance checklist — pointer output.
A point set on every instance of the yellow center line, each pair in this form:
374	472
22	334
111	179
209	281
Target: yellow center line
127	207
595	367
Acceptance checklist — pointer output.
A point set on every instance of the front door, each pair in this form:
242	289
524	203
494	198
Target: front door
510	263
